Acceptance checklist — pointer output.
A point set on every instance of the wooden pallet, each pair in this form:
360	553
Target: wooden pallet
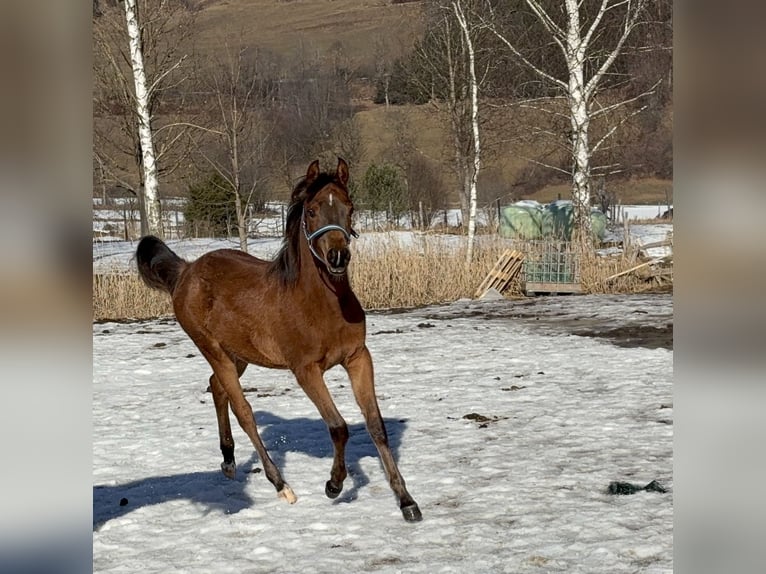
504	271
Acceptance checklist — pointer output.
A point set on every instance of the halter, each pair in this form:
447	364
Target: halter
321	231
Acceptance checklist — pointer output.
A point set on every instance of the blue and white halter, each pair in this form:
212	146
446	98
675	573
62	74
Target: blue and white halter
321	231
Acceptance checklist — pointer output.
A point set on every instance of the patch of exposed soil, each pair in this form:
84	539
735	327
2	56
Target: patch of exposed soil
624	320
635	336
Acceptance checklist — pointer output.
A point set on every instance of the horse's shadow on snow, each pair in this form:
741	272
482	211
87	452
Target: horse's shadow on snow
214	492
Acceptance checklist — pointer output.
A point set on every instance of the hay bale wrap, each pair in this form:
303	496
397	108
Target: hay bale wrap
531	220
522	220
562	215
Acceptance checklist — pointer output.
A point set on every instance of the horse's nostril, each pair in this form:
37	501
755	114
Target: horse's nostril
338	257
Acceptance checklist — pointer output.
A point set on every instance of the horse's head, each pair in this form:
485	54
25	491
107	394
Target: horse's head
326	219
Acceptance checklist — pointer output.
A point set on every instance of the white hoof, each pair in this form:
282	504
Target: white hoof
288	494
229	469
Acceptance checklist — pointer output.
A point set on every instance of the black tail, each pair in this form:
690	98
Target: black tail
158	266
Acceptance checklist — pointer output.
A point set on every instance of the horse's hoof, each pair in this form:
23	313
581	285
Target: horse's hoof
411	513
332	490
229	469
288	494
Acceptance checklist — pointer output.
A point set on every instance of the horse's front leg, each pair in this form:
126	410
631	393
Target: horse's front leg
312	382
360	371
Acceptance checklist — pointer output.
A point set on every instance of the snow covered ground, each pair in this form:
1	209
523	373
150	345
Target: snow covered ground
112	256
641	211
641	234
507	425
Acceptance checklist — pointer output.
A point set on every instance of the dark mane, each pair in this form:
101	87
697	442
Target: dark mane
287	262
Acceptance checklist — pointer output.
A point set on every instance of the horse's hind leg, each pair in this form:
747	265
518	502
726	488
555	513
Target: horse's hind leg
225	371
312	383
228	466
360	371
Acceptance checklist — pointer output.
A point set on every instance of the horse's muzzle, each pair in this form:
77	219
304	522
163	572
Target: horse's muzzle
337	260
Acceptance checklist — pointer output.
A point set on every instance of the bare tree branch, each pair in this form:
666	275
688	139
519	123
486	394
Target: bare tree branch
546	165
158	80
557	34
635	7
605	109
614	128
526	61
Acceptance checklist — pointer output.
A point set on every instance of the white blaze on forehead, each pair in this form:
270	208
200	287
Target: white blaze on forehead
331	200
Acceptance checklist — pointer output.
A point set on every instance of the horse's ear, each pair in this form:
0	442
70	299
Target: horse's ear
342	171
312	172
301	190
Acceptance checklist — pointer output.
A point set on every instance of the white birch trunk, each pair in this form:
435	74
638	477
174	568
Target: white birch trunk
580	120
475	128
150	222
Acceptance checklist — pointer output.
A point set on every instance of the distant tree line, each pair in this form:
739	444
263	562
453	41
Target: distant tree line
231	128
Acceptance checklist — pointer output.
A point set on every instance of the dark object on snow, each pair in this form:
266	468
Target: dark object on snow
476	417
627	488
123	502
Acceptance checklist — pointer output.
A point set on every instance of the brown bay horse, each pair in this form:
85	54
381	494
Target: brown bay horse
297	312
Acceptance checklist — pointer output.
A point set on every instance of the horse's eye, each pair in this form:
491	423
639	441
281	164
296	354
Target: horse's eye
311	212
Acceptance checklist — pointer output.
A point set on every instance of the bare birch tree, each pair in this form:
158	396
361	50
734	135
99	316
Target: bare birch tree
445	72
575	31
150	195
473	83
137	70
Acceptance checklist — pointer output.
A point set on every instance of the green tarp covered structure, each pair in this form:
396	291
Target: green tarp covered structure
532	220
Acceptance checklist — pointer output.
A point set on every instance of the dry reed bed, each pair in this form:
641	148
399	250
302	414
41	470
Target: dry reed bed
123	296
386	275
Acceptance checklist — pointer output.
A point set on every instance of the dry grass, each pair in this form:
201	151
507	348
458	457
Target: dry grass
389	276
596	271
392	275
123	296
432	272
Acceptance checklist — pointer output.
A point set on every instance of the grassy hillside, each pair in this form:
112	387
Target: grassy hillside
288	27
